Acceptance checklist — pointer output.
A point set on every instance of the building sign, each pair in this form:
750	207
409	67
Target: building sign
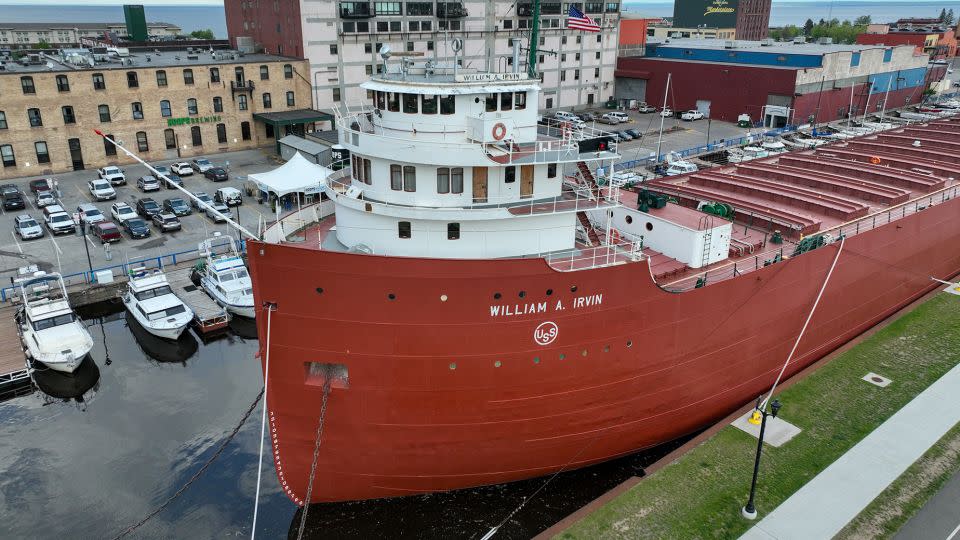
705	13
487	77
192	120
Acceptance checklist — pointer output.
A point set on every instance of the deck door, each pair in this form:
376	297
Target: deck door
526	181
479	184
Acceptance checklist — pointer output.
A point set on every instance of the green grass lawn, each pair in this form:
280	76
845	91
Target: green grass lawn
700	495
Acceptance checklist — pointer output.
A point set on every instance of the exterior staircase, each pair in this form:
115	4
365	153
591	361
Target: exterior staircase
591	232
585	172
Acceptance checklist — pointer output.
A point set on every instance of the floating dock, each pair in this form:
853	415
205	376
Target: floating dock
14	370
208	315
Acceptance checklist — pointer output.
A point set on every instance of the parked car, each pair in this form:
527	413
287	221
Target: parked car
633	133
666	113
148	183
620	117
147	207
12	198
228	196
217	174
106	231
203	196
219	207
201	165
691	115
182	168
170	180
161	171
587	116
136	227
101	189
623	135
166	222
58	220
45	198
90	214
113	174
27	227
617	136
570	118
643	107
41	184
177	207
122	212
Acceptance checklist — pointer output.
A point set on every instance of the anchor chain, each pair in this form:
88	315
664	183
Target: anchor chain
328	376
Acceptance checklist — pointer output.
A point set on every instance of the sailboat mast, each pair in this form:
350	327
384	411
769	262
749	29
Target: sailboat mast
666	93
534	41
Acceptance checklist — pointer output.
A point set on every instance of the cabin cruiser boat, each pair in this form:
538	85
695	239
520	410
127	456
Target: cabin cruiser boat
151	302
50	330
225	278
747	153
774	146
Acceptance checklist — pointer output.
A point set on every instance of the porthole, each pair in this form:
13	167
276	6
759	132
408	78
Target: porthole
319	290
583	353
629	219
549	292
629	344
453	365
573	289
497	363
649	226
476	100
562	356
521	294
496	296
443	298
536	359
392	296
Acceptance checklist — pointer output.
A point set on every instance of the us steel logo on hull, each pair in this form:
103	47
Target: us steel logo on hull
546	333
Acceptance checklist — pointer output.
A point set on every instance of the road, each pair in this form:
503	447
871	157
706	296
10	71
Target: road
939	519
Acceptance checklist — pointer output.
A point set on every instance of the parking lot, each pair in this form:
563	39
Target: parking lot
66	253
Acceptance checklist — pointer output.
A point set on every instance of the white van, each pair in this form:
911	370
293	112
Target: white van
614	117
574	120
228	196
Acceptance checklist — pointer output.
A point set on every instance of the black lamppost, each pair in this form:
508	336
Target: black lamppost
759	417
83	235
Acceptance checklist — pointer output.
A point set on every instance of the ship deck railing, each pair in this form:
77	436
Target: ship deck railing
615	252
751	262
556	141
572	198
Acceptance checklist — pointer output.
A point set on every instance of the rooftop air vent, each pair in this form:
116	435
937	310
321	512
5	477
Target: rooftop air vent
766	43
825	41
729	44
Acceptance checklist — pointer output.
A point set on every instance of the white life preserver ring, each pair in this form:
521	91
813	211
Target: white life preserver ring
499	131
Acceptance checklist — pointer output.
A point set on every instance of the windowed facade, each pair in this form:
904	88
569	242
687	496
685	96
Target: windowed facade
188	76
217	104
137	109
214	75
450	180
448	104
287	71
68	116
43	155
133	81
361	168
34	118
336	95
290	99
222	133
195	136
26	83
3	120
142	145
409	178
170	139
165	110
99	83
161	78
7	156
388	8
242	102
192	107
104	111
264	73
63	84
245	131
267	101
396	177
108	147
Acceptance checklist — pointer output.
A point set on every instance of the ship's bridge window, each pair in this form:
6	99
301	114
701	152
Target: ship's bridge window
506	101
410	103
409	178
381	100
403	229
448	104
519	100
450	180
393	101
491	102
428	105
396	177
510	174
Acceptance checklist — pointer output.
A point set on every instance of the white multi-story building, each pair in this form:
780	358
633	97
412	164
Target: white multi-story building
341	39
21	35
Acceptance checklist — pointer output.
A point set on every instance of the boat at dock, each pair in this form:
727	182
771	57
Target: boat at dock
51	332
448	327
153	305
224	277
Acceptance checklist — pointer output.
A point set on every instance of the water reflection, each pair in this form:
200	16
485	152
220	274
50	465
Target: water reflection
159	349
243	327
80	386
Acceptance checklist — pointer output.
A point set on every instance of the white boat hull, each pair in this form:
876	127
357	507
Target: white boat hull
62	363
165	330
241	310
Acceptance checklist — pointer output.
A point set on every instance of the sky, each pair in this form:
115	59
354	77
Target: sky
220	2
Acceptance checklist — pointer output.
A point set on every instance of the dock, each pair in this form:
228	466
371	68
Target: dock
208	315
14	370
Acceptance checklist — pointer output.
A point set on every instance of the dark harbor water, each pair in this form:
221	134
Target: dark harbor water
88	456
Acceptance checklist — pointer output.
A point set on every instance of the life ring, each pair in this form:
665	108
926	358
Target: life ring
499	131
875	160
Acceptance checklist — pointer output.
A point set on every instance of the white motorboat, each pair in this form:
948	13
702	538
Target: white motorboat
747	153
225	277
153	304
51	332
802	142
773	146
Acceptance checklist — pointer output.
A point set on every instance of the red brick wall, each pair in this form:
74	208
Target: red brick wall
274	26
753	19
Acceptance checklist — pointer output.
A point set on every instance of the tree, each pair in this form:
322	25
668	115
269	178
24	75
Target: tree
202	34
808	27
943	15
950	18
862	20
43	44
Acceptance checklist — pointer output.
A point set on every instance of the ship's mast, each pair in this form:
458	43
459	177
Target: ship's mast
534	41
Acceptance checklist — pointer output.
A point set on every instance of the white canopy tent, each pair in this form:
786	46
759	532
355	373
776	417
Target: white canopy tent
298	175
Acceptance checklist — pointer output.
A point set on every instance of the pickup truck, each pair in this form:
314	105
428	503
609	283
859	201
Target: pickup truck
112	174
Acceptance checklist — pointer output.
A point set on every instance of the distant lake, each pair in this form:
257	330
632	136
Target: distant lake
189	18
797	13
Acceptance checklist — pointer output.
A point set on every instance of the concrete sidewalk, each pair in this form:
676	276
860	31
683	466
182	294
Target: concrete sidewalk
825	505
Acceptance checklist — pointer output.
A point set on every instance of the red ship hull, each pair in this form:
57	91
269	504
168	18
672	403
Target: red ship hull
442	394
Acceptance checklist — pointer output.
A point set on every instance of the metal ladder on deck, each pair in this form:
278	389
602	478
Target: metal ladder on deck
706	223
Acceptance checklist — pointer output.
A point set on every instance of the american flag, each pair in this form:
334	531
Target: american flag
578	21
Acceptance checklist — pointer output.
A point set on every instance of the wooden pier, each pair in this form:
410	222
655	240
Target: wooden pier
208	315
14	370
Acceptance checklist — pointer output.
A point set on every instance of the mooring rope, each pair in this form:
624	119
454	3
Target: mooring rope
263	424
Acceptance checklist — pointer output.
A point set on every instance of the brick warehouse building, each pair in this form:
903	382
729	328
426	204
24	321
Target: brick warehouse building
777	83
163	106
